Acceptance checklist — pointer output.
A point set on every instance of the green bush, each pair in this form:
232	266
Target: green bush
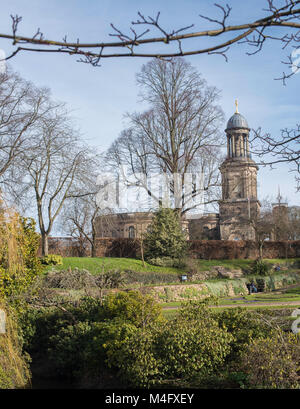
69	349
52	259
194	346
130	351
166	262
260	267
87	338
127	337
134	307
243	326
39	325
272	362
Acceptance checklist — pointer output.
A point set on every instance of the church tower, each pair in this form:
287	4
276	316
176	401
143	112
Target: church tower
239	205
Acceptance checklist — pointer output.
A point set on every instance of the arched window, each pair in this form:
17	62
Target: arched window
131	232
235	237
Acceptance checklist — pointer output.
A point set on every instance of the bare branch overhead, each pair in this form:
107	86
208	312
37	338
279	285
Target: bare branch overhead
283	14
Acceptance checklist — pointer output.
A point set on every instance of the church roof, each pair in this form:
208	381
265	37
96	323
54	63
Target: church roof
237	121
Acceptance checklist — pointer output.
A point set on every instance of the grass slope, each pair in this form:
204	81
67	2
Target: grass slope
96	264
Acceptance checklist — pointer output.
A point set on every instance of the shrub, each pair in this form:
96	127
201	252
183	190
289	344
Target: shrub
69	347
19	264
130	350
70	279
124	247
260	267
144	356
244	326
39	325
272	362
165	262
83	340
52	259
192	266
194	346
132	306
14	364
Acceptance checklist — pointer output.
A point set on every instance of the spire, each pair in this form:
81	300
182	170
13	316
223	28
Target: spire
236	106
279	197
280	203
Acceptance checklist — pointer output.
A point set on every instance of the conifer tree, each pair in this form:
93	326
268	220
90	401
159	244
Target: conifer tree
165	237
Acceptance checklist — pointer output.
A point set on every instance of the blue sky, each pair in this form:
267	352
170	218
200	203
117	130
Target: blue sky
99	97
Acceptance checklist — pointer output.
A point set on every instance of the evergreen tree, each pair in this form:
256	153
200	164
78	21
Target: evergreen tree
165	237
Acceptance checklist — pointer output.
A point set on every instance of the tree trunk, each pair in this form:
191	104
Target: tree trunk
45	247
93	250
261	251
142	251
94	235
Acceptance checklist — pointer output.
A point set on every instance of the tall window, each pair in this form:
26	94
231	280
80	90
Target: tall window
131	232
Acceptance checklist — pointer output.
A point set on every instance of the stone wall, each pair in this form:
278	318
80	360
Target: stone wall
206	227
126	225
221	288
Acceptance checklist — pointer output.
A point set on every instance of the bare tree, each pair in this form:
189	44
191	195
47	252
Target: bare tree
50	168
282	148
22	105
279	22
177	136
263	227
294	222
275	222
80	221
86	210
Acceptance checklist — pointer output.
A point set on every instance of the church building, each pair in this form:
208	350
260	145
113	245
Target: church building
238	207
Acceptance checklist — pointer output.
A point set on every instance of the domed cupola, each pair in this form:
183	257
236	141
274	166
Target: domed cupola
237	136
237	121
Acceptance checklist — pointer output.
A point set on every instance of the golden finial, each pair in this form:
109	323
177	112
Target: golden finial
236	107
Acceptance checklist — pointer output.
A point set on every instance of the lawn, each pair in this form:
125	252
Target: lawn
97	265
